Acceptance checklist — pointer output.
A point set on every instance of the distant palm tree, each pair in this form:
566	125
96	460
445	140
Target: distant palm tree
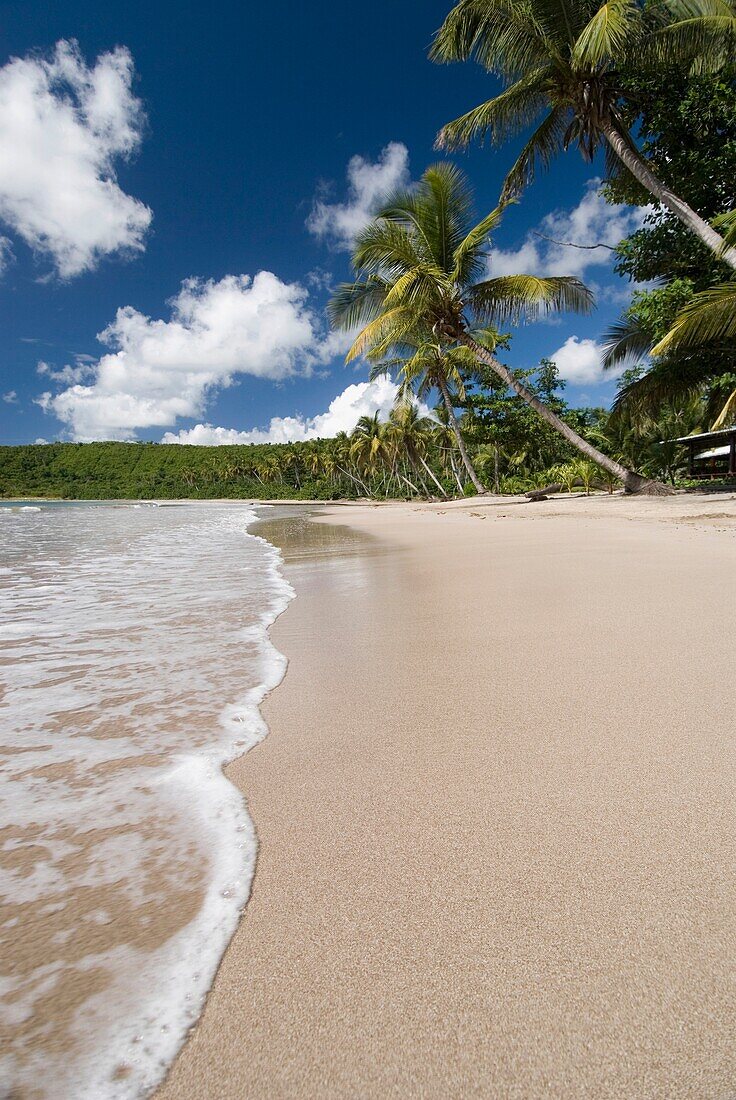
410	435
429	364
445	439
561	58
269	469
420	265
368	447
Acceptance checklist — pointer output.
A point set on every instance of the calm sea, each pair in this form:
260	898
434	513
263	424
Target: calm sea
133	656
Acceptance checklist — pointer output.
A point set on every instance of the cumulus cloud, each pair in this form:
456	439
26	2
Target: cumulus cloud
10	398
592	222
344	412
368	185
160	370
580	361
63	127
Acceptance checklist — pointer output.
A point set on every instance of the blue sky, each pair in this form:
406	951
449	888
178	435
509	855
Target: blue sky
201	226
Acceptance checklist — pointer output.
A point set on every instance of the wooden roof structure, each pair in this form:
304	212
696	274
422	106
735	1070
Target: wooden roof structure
712	454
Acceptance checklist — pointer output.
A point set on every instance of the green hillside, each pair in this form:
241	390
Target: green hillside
100	471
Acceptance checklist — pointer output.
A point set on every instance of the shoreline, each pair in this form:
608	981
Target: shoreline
127	853
468	868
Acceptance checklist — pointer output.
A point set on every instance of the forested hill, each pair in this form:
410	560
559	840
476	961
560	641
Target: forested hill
100	471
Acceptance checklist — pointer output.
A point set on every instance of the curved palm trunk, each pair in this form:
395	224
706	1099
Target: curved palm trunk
642	172
480	487
632	482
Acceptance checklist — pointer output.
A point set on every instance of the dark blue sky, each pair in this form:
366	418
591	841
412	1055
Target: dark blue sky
251	109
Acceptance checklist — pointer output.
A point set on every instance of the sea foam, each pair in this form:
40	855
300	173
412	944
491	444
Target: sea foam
135	652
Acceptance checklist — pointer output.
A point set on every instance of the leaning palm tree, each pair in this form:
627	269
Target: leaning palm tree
419	267
429	364
560	59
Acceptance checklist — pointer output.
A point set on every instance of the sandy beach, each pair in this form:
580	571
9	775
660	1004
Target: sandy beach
494	811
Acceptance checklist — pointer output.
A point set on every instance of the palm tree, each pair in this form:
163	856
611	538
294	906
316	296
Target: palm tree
445	440
429	365
418	266
560	58
410	435
368	447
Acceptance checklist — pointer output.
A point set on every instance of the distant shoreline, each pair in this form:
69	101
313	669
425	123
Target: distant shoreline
251	501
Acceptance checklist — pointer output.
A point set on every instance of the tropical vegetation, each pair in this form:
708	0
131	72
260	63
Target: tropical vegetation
680	333
413	454
422	293
560	61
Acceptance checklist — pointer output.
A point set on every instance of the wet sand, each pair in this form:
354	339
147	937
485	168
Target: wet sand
495	812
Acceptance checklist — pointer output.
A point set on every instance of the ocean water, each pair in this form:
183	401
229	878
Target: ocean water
133	658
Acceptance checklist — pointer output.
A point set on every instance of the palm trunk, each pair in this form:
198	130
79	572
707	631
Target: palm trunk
639	168
434	479
357	480
417	473
632	482
411	486
455	472
480	487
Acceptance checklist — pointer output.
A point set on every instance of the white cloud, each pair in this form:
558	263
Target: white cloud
344	412
580	361
68	375
593	221
368	185
161	370
10	398
63	126
6	253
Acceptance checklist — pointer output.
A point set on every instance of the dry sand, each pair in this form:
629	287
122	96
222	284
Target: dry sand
495	811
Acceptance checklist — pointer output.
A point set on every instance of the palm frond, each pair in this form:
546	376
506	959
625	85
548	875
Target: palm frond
624	342
708	318
502	117
514	296
546	141
488	337
406	209
616	27
446	209
469	258
357	303
385	248
670	379
727	415
389	327
726	223
415	287
697	35
562	21
502	35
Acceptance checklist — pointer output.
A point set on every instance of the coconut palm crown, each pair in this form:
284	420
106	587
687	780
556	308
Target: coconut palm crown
421	267
560	60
